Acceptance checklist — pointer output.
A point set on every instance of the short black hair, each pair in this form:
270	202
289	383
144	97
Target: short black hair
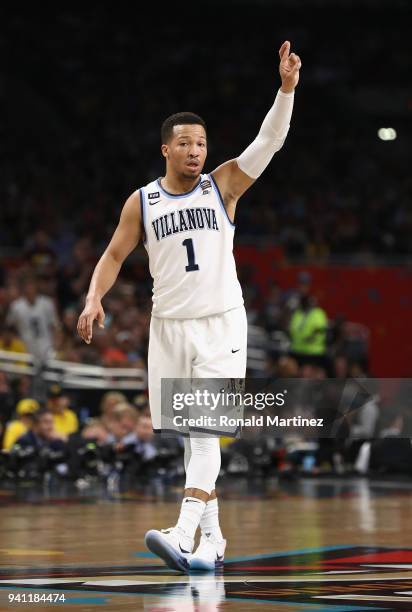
179	119
40	413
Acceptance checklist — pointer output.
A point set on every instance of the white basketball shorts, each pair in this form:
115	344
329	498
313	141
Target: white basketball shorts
208	347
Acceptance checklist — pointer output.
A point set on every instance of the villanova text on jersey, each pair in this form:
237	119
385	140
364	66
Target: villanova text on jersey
189	240
184	220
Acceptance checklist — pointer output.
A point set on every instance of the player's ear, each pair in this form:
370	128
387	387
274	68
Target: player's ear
165	150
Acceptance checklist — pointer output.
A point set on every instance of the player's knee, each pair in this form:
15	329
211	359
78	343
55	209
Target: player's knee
205	446
204	465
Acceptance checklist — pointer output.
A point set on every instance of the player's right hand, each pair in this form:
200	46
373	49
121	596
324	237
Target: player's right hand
92	311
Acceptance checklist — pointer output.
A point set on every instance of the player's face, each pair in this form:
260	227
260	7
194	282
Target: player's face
186	151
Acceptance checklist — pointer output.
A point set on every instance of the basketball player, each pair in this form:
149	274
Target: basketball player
198	327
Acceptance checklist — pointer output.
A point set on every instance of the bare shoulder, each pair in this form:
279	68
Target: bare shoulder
231	180
129	228
132	205
133	202
222	175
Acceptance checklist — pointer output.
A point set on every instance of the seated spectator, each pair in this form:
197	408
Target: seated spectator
65	420
145	445
43	433
122	425
95	430
141	402
85	450
19	426
108	403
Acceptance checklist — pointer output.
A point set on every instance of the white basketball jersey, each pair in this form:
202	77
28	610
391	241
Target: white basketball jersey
189	240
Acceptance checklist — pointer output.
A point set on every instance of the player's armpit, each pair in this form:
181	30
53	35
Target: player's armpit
232	181
128	231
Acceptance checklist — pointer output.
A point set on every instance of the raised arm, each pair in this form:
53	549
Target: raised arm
124	240
235	176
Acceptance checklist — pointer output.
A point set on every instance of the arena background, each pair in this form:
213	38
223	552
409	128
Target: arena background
82	96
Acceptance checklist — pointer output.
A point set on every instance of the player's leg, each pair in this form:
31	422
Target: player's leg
202	454
223	355
169	357
210	517
209	523
202	469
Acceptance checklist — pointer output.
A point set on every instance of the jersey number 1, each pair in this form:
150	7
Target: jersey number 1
192	266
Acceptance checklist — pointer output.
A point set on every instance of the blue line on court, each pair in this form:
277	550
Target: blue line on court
288	553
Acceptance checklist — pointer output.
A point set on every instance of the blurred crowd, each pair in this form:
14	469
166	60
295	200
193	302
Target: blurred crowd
118	444
88	91
40	302
42	297
48	439
73	440
83	97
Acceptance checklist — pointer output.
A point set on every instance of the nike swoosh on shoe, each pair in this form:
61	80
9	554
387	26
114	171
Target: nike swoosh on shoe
183	550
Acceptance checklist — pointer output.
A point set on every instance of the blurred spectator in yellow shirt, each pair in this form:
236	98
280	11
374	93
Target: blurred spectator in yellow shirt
65	420
19	426
9	341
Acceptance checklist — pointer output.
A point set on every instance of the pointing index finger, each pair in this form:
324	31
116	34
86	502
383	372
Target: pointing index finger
284	50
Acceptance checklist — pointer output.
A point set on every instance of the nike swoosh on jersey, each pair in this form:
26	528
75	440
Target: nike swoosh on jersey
153	203
236	351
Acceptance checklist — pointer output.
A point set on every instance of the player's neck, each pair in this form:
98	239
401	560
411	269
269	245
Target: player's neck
177	184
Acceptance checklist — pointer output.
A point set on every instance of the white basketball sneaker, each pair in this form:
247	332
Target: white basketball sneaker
209	555
172	545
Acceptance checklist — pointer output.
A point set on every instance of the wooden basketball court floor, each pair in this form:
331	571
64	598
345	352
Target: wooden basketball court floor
318	545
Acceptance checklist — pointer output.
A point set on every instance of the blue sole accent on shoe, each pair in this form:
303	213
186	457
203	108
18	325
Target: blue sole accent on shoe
157	545
202	566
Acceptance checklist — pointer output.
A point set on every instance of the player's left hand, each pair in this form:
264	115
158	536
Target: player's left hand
288	68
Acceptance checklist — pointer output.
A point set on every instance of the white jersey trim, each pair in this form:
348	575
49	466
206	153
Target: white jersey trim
143	214
178	195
